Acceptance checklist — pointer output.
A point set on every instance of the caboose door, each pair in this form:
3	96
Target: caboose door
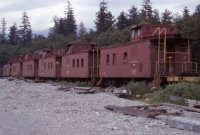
21	69
36	66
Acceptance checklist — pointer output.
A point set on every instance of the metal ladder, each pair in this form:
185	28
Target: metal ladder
162	47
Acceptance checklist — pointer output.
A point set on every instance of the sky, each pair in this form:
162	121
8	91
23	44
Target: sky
41	12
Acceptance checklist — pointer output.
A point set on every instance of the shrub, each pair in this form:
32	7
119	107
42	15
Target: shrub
181	89
185	90
137	88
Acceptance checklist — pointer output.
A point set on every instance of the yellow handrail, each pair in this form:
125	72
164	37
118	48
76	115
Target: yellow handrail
184	66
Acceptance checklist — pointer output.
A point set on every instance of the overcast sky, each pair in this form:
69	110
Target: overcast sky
41	12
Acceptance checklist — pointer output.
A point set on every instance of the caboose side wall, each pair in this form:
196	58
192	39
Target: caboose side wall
75	65
28	68
6	70
125	61
47	67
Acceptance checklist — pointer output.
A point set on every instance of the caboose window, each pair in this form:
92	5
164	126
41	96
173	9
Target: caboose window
73	63
114	58
48	65
137	32
51	65
133	34
125	58
172	29
77	62
44	65
148	29
81	62
107	59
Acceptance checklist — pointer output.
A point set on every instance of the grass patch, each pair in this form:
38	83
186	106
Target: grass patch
181	89
136	88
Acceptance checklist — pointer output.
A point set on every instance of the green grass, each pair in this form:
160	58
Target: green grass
136	88
181	89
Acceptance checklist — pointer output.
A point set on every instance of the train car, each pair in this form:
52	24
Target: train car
17	66
50	63
30	65
80	60
153	50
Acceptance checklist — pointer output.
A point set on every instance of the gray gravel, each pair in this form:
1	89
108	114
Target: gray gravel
40	109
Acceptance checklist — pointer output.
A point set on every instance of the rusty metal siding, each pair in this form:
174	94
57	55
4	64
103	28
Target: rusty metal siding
135	65
47	67
75	65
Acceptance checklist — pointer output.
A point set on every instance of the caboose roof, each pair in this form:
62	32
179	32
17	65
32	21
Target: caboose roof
153	25
76	47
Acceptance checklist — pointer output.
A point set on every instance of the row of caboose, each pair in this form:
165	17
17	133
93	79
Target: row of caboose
153	49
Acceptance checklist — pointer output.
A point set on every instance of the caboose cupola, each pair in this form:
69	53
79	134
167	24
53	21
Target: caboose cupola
146	30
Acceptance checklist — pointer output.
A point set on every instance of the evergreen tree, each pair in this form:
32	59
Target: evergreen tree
3	32
123	21
25	32
155	18
167	17
104	18
13	37
186	12
56	24
62	27
197	10
196	25
82	30
133	16
186	22
177	18
195	18
146	12
69	25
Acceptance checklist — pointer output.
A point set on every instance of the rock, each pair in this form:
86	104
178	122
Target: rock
114	128
138	96
97	113
183	123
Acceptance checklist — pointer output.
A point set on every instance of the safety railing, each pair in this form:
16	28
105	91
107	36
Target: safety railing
173	67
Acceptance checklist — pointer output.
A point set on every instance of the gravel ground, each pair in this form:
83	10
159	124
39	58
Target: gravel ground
40	109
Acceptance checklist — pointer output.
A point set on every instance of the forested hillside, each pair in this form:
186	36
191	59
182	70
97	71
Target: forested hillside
108	30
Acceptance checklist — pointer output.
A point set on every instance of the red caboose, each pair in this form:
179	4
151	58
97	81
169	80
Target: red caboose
80	61
30	65
154	49
17	66
50	63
